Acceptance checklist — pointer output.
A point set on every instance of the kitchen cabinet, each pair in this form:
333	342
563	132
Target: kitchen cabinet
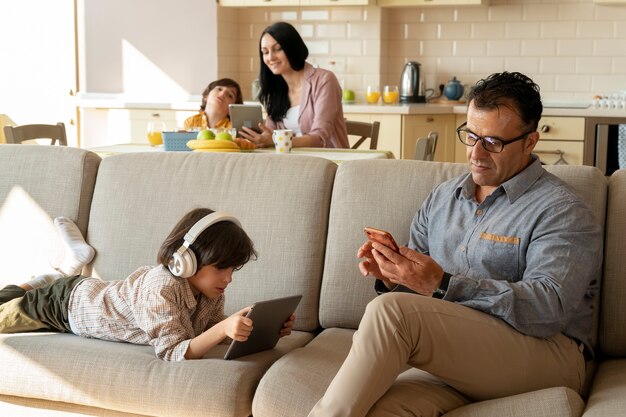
281	3
460	150
416	126
399	132
611	2
337	2
426	3
260	3
389	134
561	140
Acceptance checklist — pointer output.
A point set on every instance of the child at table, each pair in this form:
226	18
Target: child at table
176	306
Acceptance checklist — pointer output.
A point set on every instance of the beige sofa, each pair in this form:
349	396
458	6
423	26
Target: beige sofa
305	215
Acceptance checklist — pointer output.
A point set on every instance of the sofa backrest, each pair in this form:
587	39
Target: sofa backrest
612	339
386	195
37	184
281	201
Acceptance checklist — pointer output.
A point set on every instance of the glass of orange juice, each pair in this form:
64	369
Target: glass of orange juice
154	132
390	94
373	94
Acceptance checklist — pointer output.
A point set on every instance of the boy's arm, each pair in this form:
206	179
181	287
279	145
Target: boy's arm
237	327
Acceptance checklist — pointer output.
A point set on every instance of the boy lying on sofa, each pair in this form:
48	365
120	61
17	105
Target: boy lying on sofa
176	306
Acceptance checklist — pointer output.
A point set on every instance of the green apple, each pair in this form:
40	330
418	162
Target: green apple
224	136
348	95
205	135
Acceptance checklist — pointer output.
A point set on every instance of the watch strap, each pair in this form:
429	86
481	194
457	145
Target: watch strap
443	287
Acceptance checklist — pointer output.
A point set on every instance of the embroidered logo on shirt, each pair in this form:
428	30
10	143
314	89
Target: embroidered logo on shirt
502	239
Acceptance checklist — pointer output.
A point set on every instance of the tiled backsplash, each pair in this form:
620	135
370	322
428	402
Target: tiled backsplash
574	49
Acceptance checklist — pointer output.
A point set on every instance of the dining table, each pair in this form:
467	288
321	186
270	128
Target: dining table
334	154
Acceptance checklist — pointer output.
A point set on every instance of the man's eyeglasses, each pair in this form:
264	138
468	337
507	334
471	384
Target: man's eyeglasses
490	143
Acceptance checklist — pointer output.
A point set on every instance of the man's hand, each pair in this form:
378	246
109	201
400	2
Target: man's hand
369	266
409	268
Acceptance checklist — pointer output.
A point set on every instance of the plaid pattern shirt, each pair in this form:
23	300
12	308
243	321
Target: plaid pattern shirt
150	307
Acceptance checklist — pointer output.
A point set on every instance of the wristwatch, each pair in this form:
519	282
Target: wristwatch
443	287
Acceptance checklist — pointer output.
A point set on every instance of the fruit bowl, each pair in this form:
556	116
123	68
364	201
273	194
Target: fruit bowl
213	145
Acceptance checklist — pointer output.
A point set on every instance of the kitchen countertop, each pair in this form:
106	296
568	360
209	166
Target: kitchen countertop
191	103
408	109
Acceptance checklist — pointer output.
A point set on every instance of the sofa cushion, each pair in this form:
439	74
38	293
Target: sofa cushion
613	324
285	391
37	184
281	201
293	385
550	402
129	378
607	397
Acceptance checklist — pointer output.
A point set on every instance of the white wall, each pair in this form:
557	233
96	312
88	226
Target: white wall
147	49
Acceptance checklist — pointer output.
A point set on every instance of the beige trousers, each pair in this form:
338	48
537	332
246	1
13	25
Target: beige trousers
461	355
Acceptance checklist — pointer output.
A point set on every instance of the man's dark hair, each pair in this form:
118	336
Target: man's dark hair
274	93
511	89
223	244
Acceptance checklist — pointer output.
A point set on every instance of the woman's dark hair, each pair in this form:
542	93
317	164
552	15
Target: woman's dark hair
274	93
511	89
222	82
223	244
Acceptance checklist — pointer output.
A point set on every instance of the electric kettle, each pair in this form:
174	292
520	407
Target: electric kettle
411	84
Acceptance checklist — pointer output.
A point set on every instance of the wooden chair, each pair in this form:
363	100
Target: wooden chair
364	130
18	134
425	147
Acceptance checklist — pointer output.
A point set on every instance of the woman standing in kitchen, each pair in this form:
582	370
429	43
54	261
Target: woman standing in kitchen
214	107
296	95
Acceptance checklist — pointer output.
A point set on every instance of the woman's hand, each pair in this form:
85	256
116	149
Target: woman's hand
261	140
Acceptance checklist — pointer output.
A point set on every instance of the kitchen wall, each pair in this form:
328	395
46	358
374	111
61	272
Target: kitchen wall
574	49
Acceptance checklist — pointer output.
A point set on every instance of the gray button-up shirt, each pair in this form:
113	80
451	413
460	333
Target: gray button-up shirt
530	254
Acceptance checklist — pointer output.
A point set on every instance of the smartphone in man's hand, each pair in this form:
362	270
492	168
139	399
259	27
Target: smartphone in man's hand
381	236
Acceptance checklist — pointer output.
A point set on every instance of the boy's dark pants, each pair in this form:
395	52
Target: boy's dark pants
41	308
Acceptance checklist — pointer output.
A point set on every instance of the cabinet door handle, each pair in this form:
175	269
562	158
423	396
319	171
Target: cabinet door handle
156	115
430	119
545	128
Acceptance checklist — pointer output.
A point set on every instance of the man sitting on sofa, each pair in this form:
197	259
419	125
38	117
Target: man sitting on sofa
493	295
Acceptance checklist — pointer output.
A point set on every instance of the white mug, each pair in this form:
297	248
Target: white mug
283	139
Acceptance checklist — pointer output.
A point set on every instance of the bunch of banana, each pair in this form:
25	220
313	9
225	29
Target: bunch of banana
213	145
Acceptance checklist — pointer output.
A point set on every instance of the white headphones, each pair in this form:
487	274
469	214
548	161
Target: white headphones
183	262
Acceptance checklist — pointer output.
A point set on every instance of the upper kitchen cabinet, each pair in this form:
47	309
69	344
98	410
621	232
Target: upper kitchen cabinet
278	3
337	2
259	3
611	2
425	3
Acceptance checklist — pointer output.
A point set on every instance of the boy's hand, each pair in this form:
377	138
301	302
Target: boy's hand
288	326
238	327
